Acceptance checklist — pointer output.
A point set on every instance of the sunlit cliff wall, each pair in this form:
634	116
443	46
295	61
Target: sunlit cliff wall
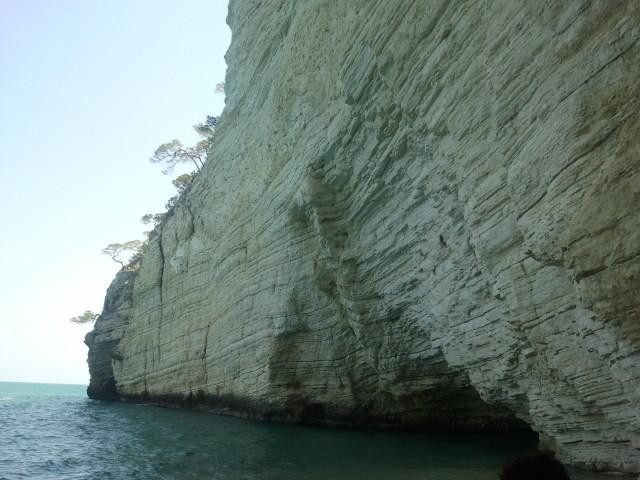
414	213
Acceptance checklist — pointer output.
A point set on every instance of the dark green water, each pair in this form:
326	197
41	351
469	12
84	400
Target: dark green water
55	431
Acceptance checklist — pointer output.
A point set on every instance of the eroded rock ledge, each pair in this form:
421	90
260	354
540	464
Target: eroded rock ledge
413	213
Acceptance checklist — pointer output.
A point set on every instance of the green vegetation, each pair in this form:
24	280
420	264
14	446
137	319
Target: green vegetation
118	252
174	152
87	317
182	182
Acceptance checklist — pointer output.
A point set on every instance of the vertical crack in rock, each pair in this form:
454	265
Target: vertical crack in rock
162	264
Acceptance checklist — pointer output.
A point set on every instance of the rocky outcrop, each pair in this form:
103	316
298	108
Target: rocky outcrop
103	340
414	213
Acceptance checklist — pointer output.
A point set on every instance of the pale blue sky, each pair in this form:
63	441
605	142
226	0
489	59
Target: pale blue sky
88	89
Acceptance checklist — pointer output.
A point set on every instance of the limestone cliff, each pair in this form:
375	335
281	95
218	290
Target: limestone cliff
414	213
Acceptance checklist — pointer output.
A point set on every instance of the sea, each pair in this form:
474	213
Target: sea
50	431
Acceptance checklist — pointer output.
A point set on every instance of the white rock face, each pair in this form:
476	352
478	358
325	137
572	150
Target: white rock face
415	212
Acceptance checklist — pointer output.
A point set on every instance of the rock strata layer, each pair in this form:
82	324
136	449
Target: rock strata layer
414	213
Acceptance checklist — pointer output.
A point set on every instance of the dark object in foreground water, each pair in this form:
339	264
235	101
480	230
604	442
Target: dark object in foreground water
534	467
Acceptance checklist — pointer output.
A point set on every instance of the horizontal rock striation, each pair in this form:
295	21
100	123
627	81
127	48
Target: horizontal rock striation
414	213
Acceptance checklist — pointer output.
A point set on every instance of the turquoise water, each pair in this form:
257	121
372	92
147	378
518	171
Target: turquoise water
56	432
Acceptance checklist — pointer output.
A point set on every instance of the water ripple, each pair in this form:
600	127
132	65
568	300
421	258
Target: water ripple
58	433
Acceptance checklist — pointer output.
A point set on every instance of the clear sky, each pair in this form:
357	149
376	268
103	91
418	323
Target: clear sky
88	90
